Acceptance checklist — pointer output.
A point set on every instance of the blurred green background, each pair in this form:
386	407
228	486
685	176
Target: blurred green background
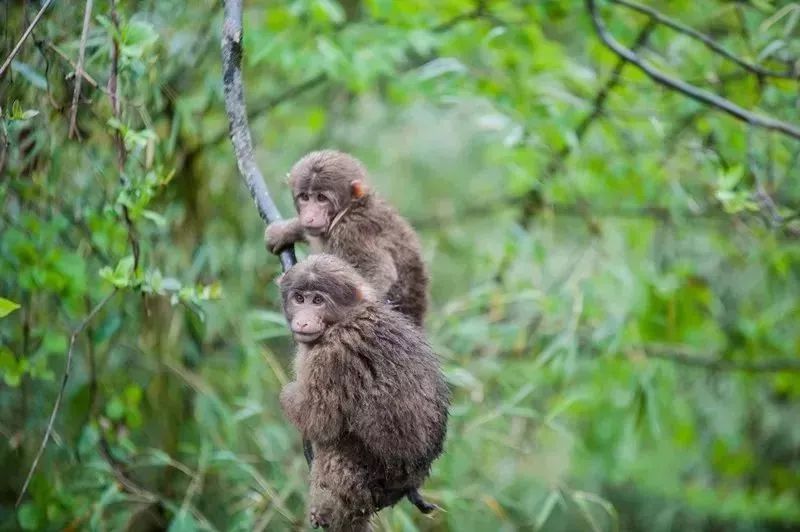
616	267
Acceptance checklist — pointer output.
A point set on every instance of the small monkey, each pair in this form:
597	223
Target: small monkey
369	392
339	214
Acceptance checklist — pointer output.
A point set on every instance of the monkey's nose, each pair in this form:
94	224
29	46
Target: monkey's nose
304	326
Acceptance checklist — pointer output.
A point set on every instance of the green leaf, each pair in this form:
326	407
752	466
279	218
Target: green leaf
7	307
332	10
546	509
29	517
32	76
183	522
115	409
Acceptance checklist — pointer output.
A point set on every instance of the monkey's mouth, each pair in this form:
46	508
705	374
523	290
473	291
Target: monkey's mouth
316	230
306	337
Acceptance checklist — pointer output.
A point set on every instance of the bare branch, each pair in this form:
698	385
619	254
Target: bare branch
688	357
681	86
710	43
22	39
235	108
75	332
87	15
119	143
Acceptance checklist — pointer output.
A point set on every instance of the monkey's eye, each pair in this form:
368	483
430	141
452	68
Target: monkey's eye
318	300
321	198
302	196
298	298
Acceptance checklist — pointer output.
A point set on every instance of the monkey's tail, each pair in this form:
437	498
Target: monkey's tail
421	504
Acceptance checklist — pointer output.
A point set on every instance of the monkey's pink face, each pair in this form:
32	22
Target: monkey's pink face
316	211
307	313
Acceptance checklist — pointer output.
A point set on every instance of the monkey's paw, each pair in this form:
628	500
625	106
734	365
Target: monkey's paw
276	237
319	517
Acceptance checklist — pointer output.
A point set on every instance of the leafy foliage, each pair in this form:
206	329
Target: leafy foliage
616	267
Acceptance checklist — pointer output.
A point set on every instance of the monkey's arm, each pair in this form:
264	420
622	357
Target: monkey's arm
313	404
279	235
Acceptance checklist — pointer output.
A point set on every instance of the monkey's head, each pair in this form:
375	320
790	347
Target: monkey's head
319	292
324	183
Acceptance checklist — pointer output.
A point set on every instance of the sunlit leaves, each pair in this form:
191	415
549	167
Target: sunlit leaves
7	307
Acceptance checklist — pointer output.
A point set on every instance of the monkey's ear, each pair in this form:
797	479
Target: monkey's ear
358	189
359	294
278	279
287	177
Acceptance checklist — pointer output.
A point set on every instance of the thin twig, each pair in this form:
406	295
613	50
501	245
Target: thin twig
122	152
69	61
681	86
22	39
710	43
686	356
75	332
87	15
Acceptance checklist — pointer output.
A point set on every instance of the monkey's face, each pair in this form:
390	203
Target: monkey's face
324	184
316	209
320	292
308	314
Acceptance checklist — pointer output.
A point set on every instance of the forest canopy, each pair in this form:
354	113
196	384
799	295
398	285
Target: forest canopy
607	196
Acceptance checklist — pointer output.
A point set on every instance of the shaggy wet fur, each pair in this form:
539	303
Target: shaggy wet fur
369	394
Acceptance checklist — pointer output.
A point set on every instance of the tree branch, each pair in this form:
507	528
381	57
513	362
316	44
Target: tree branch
73	116
122	152
22	39
681	86
237	117
710	43
75	332
686	356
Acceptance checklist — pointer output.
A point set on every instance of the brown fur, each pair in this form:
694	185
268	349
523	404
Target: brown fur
369	393
369	234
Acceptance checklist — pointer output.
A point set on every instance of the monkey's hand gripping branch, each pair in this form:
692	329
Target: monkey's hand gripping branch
233	89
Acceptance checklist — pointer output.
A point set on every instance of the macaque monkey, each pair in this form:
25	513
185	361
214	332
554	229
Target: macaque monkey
369	393
339	214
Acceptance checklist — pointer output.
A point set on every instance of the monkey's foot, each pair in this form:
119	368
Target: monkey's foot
319	518
421	504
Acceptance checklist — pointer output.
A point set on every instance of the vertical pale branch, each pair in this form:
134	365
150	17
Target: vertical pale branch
73	116
237	118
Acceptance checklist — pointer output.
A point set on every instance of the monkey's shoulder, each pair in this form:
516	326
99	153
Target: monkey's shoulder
378	331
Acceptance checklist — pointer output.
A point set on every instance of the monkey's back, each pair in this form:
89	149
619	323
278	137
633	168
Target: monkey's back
374	222
401	408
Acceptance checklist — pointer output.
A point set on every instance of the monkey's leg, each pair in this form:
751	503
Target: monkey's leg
421	504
